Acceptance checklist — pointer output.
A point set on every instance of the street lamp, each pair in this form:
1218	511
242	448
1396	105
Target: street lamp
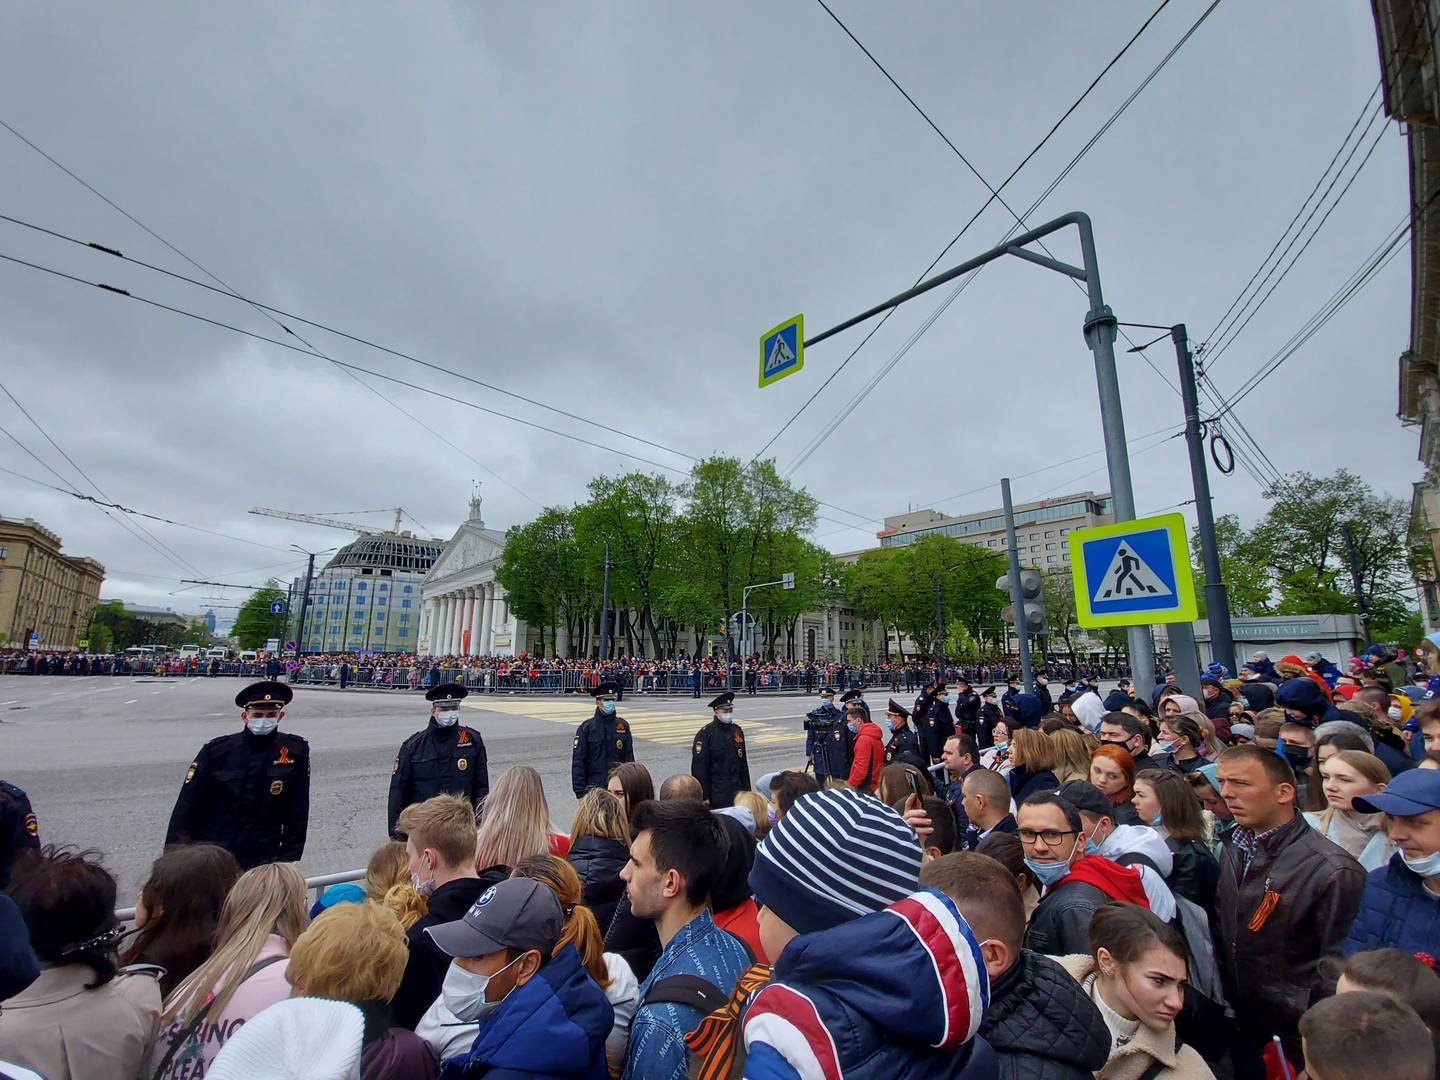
786	581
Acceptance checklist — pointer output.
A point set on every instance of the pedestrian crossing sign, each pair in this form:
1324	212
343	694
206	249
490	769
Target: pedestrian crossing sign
1133	573
782	350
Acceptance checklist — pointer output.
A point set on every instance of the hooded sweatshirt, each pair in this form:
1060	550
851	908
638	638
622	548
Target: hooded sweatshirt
898	993
1088	709
1029	710
1144	841
1304	695
553	1027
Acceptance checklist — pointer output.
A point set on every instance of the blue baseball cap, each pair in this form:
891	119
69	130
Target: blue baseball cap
1415	791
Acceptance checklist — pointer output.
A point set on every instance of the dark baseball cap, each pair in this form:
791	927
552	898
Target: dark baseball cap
1414	791
518	913
1086	797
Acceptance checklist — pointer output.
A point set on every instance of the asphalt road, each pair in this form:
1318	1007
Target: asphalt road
102	758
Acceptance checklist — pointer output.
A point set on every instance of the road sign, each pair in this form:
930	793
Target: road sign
34	639
787	581
289	646
277	607
782	350
1133	573
83	643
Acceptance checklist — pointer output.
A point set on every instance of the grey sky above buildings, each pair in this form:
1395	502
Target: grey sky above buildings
601	206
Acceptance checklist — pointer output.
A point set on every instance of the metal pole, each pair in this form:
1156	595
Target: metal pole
304	605
1217	601
1357	584
1100	324
1017	601
939	634
744	625
605	610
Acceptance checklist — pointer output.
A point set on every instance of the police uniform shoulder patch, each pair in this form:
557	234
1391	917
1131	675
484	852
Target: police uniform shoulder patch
397	764
699	747
32	825
576	744
190	772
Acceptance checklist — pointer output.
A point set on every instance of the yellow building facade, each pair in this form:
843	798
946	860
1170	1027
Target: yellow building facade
43	592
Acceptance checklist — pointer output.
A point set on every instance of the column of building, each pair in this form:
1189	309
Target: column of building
487	616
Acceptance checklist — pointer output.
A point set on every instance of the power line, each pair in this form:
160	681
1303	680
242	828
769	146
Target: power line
374	374
974	217
827	430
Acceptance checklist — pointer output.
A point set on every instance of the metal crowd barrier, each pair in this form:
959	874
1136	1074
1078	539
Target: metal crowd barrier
318	884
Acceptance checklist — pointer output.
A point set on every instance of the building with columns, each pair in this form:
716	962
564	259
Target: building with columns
367	597
464	611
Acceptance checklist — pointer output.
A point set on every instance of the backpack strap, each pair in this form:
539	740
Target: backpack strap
184	1036
715	1041
1130	858
691	990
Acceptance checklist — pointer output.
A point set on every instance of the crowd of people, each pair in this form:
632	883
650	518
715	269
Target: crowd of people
1001	883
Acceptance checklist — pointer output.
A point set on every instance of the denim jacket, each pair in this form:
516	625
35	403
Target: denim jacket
657	1034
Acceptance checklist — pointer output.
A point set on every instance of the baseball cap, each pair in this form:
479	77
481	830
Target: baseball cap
518	913
1242	731
1415	791
1086	797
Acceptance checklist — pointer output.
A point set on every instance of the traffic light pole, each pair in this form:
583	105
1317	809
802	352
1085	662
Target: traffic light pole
939	632
1100	325
1217	600
1017	598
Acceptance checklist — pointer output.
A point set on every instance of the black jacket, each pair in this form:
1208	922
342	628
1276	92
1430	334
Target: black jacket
438	761
967	713
1024	783
1194	873
601	743
720	764
989	717
634	938
19	830
248	793
934	728
1060	924
598	861
1042	1025
903	741
425	968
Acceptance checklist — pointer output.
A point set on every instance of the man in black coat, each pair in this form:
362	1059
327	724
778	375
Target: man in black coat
1040	1022
935	725
966	708
19	830
249	792
903	738
601	743
827	739
445	758
719	761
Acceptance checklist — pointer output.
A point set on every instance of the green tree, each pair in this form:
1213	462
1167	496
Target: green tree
636	514
253	622
547	579
1249	582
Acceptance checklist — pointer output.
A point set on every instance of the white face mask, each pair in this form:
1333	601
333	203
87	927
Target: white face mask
1394	712
726	717
262	725
464	993
448	717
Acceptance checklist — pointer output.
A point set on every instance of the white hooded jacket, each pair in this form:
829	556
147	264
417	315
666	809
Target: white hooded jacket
1143	840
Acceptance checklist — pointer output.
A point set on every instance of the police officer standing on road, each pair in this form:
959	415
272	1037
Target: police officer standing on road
249	792
936	724
446	758
967	710
18	828
856	697
719	759
601	743
827	739
903	739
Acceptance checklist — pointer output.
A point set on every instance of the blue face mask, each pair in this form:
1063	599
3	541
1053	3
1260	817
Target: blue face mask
1047	873
1091	848
608	708
1156	821
1223	826
854	726
826	701
1426	867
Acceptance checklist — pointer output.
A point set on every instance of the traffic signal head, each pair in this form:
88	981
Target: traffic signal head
1032	600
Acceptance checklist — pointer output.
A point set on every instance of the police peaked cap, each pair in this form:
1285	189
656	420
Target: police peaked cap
264	693
611	688
827	690
849	694
449	691
896	707
724	699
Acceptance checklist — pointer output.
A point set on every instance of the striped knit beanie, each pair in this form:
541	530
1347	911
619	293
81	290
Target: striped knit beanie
836	855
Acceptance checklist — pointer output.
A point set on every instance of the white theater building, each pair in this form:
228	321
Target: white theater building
463	608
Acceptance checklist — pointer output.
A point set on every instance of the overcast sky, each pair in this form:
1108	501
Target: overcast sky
601	206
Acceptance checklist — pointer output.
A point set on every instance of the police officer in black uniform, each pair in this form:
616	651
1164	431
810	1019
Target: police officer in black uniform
903	738
857	696
249	792
18	828
446	758
601	743
828	741
967	709
719	761
935	724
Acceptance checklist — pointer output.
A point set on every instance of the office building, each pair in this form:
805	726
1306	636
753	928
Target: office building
1042	528
46	598
367	597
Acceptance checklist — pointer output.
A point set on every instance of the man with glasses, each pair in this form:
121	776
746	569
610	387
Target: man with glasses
1074	884
601	742
249	792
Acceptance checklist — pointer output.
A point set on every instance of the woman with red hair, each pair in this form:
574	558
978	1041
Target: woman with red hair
1112	770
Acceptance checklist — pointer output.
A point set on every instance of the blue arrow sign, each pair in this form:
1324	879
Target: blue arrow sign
277	607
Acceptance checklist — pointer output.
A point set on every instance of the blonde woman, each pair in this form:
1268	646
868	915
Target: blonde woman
262	918
1345	775
599	850
515	822
1072	755
387	883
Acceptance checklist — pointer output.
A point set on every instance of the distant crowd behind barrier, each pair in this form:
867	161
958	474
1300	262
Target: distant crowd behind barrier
501	675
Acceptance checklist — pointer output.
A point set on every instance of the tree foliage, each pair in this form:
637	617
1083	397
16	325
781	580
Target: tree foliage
113	628
253	622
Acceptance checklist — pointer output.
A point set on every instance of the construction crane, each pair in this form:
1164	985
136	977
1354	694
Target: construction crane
329	523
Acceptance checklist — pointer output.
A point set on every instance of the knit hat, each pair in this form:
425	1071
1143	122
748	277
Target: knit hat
1336	726
295	1039
834	856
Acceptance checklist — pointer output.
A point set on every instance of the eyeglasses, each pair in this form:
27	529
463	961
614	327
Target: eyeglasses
1049	837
